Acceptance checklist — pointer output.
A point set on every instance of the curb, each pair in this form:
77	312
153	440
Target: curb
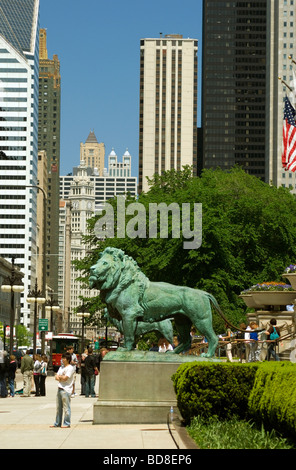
185	441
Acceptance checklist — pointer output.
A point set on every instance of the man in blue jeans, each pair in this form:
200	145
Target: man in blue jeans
65	377
90	368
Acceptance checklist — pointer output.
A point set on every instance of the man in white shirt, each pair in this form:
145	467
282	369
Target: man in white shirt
74	363
63	401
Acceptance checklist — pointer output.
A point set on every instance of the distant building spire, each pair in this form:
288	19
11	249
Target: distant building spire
91	138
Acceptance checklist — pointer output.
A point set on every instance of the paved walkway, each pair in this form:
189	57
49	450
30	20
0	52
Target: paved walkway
25	424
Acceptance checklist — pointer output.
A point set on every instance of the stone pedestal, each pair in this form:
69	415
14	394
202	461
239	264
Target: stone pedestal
135	393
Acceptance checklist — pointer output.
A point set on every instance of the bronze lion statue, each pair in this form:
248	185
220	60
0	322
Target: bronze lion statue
131	298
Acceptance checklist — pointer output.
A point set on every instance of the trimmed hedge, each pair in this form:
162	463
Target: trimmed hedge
273	397
210	389
265	392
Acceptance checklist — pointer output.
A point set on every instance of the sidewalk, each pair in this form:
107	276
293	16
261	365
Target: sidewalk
25	424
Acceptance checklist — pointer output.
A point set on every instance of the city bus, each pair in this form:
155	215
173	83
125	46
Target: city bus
60	343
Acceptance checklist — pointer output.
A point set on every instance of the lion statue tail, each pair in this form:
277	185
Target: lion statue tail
218	309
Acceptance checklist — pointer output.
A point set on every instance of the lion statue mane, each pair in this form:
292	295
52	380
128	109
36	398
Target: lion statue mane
132	298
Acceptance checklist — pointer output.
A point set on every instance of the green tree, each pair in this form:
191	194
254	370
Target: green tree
248	236
23	335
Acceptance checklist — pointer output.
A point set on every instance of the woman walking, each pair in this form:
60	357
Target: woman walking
43	375
36	373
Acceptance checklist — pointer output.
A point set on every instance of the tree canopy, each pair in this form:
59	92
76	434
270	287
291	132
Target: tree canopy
248	235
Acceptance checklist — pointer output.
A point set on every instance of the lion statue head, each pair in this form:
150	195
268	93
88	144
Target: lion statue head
114	269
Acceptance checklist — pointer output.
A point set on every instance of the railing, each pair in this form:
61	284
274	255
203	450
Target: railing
198	347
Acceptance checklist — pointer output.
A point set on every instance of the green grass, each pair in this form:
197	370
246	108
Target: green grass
234	434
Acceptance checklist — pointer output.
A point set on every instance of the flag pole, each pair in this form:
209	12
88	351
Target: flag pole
292	60
284	83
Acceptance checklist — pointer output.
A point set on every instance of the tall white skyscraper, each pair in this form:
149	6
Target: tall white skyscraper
168	105
19	60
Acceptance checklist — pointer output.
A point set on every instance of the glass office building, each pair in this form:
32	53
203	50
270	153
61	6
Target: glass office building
246	47
19	63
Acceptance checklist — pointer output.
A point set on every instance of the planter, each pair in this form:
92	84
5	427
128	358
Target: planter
249	301
274	297
291	278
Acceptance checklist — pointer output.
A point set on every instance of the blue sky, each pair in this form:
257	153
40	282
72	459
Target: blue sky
98	45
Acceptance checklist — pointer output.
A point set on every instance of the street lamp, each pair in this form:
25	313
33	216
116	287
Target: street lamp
83	314
35	296
51	306
12	284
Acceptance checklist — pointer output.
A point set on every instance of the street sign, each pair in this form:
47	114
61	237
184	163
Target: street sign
43	324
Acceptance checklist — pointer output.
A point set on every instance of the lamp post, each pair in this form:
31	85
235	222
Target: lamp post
35	296
51	306
83	314
12	284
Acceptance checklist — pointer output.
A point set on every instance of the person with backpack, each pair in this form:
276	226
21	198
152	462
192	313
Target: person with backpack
273	334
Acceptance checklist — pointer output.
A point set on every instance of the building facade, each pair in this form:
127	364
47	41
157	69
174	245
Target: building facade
108	185
246	47
19	57
80	195
49	141
92	153
168	106
42	198
74	214
119	169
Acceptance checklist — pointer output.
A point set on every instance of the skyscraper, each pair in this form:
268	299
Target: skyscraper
168	105
19	49
49	141
92	153
246	47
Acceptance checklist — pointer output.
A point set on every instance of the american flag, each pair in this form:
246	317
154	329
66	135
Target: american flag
289	137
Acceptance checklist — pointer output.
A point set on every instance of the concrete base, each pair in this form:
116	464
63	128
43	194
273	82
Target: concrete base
135	393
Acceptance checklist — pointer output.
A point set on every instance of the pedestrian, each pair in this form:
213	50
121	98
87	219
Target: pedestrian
43	374
74	364
90	368
227	338
36	373
164	345
248	343
273	334
65	377
27	366
11	374
103	353
3	375
254	341
82	372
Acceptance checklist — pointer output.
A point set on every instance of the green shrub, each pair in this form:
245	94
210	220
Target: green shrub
211	389
273	398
